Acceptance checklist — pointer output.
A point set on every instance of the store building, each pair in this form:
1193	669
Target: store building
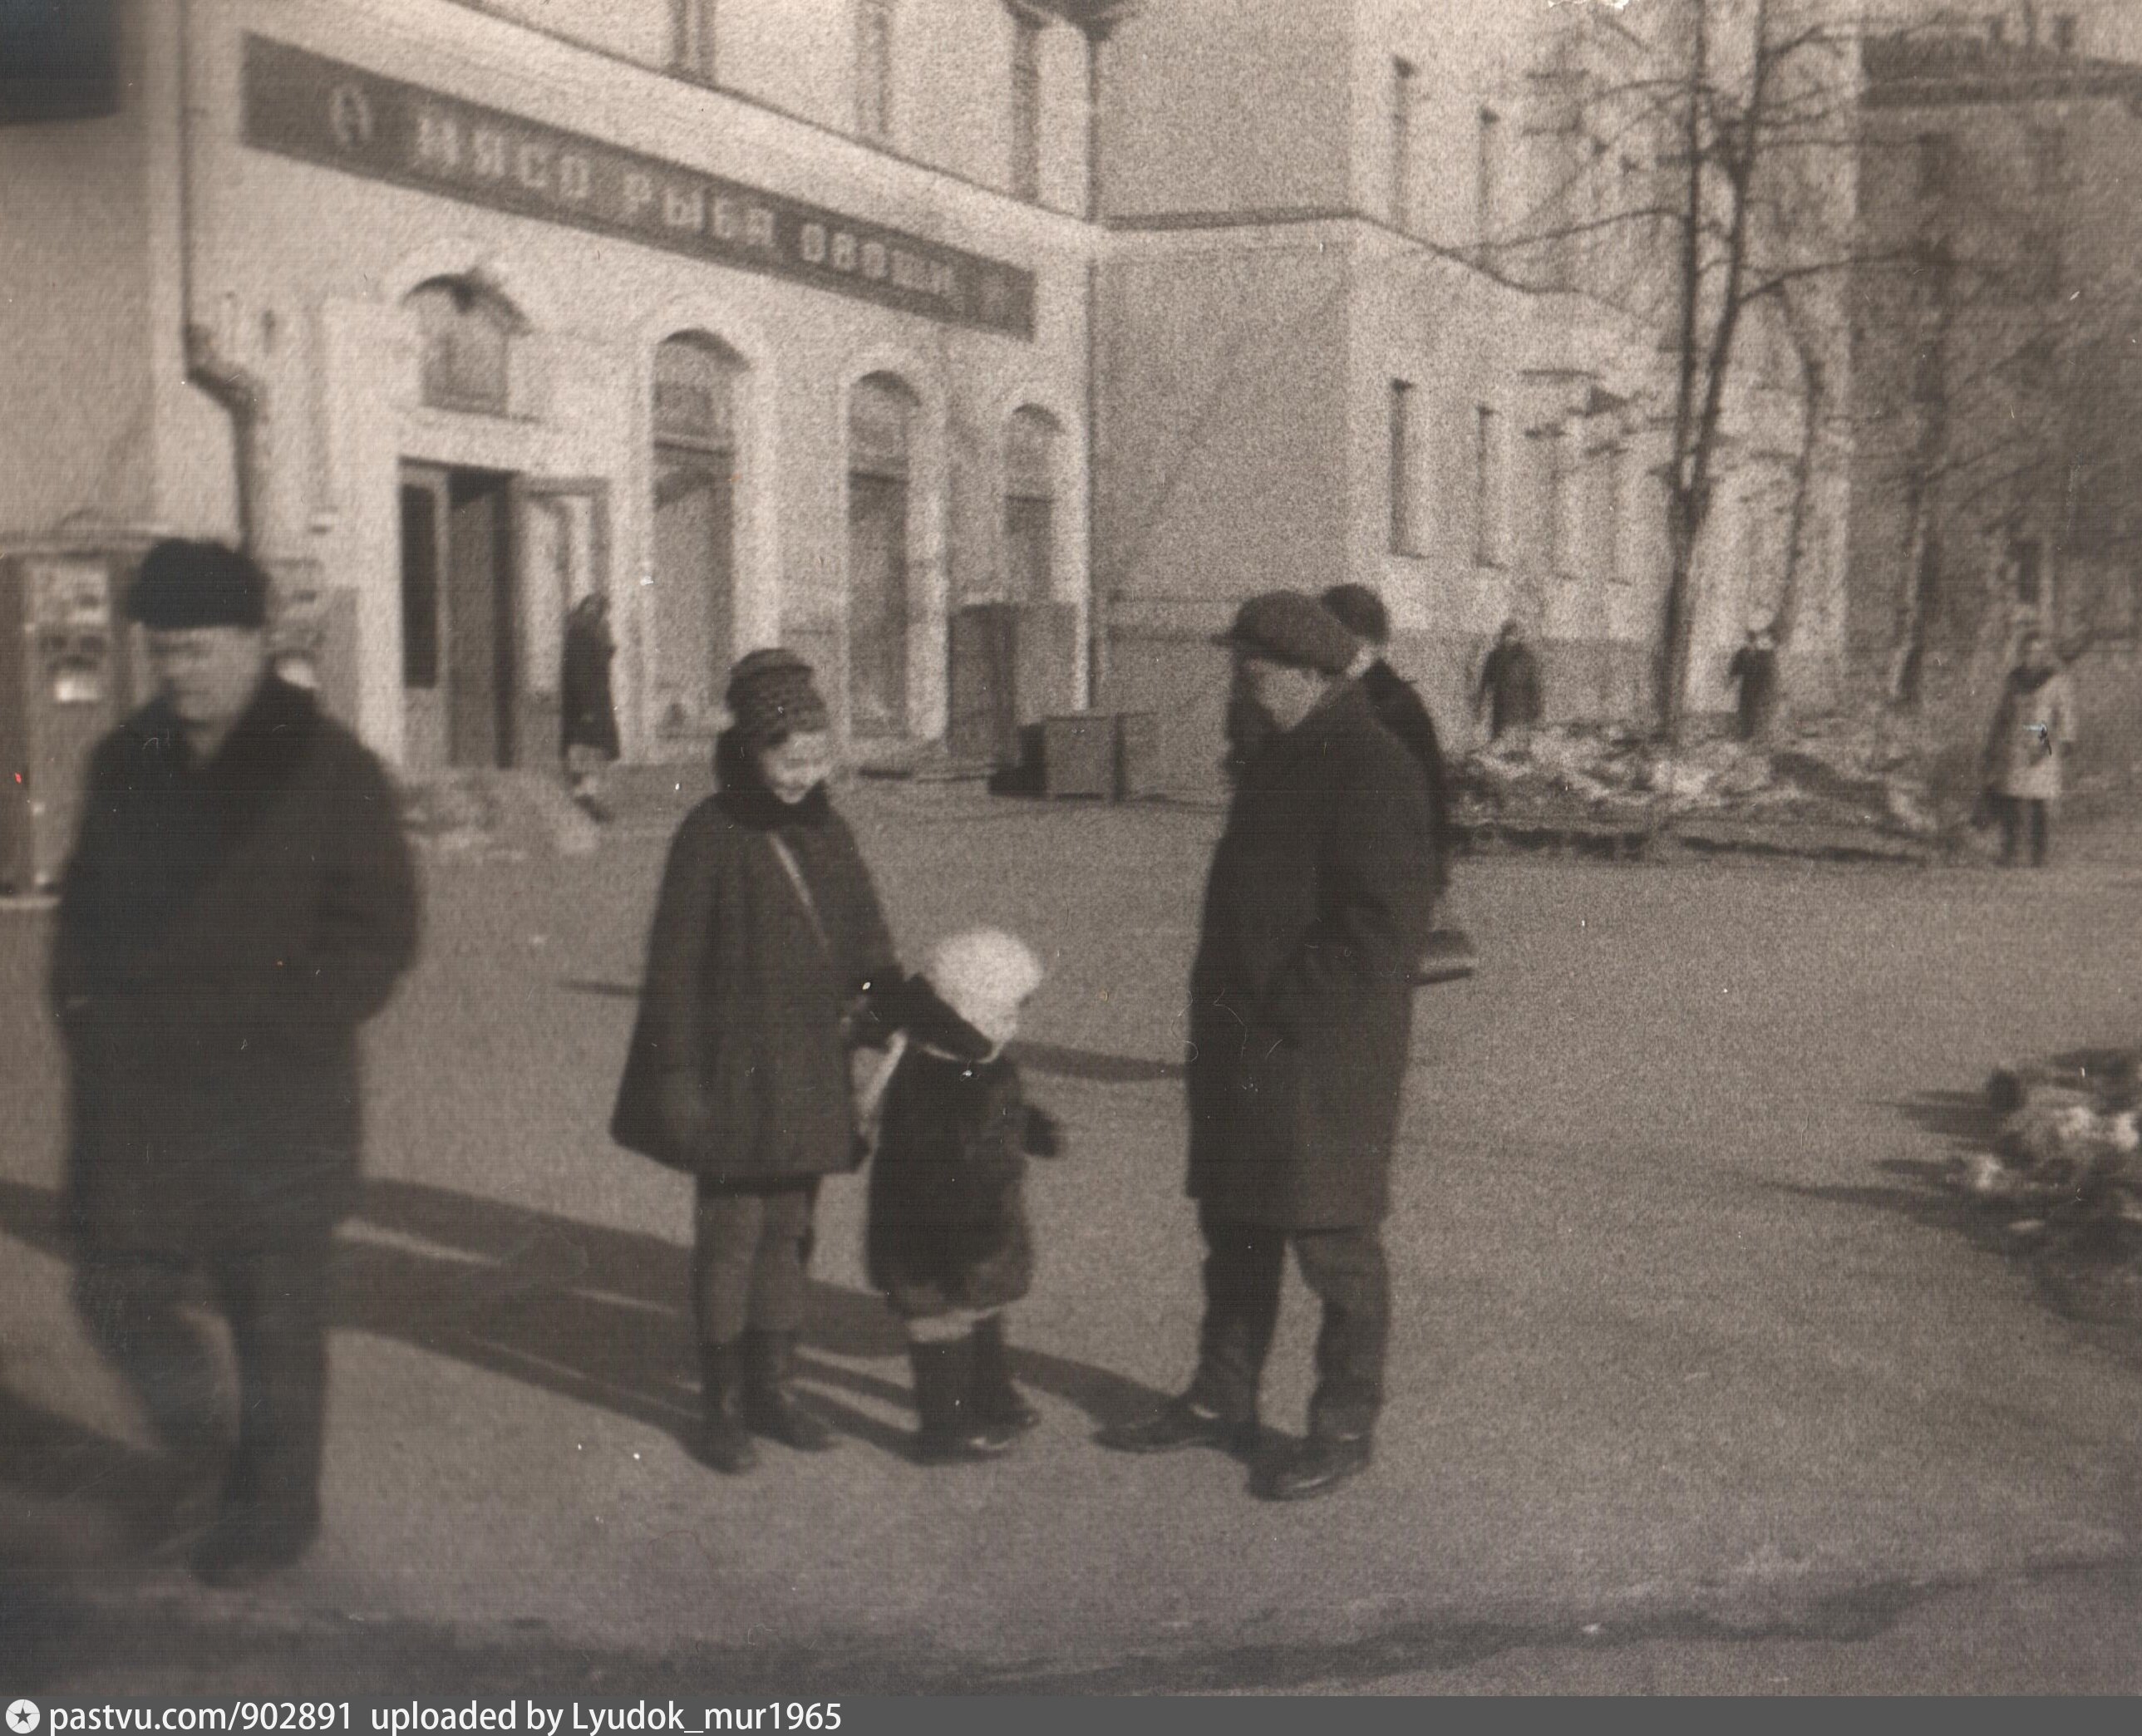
989	351
769	319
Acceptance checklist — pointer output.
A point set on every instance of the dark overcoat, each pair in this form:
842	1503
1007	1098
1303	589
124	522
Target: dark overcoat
588	716
947	1226
1397	706
738	1070
1319	900
223	930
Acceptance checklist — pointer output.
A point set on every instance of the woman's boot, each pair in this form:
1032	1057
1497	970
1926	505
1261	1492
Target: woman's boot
769	1407
951	1433
996	1399
723	1441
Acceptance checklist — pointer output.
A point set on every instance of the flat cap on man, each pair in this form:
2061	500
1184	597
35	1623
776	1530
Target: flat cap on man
1284	627
185	584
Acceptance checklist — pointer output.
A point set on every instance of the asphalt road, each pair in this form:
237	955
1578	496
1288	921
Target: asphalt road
1699	1381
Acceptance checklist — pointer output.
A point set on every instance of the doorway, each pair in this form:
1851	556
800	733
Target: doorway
457	617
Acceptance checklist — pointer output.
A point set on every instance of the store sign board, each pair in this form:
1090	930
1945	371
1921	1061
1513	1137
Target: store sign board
302	105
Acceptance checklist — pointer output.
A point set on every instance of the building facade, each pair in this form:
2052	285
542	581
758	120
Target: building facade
1998	483
860	325
769	320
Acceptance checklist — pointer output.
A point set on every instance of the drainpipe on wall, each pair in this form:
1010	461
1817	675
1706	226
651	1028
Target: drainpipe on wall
1097	598
237	390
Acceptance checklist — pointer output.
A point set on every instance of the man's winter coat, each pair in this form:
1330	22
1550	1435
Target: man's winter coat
738	1068
2036	718
1319	901
588	717
947	1227
223	930
1398	706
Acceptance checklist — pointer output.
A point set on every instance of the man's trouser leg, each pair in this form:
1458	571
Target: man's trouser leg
129	1303
1346	1270
277	1303
1243	1265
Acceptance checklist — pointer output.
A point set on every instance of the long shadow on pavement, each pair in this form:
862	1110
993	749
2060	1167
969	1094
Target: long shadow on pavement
596	1314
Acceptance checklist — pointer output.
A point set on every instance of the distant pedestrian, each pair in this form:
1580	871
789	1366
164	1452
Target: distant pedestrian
947	1241
588	714
1301	1015
1509	688
2033	725
1398	706
1754	667
239	901
767	943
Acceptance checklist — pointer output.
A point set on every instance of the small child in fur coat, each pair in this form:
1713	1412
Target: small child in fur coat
947	1241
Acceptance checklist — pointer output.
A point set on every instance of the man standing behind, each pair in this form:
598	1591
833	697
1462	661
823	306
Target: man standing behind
1754	667
239	901
1397	706
1509	689
589	713
1300	1015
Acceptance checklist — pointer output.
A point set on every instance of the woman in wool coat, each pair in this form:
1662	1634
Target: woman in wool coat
768	942
2035	724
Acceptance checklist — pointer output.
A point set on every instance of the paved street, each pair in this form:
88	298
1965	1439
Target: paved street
1698	1382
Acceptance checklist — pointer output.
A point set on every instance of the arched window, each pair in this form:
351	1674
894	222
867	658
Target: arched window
695	471
881	417
468	333
1030	504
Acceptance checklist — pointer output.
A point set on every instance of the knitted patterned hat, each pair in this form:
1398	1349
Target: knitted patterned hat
772	696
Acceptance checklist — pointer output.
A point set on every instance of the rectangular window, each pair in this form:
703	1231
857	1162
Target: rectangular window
1026	106
1554	502
1403	86
692	49
874	70
1936	158
1405	507
1487	489
1612	557
2027	557
1487	173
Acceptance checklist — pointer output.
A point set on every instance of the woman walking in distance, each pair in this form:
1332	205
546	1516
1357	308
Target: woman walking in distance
768	942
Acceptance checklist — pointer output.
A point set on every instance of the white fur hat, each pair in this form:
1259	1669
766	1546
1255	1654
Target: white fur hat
985	975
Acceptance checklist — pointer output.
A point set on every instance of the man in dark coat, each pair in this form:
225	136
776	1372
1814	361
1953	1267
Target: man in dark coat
239	900
1301	1016
1509	686
1398	706
1754	667
589	716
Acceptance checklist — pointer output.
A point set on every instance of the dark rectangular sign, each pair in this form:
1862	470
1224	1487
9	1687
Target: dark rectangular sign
303	105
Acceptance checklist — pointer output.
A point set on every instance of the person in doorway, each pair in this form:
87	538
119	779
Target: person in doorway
769	952
239	901
1316	913
1509	689
1754	667
948	1242
1398	706
2033	726
588	712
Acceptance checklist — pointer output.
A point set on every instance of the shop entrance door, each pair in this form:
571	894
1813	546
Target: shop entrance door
457	617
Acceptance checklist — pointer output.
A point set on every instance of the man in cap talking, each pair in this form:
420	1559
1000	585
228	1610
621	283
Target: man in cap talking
1300	1013
239	900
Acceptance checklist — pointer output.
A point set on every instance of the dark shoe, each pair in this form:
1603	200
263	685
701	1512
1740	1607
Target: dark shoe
245	1545
1181	1422
1318	1465
769	1407
994	1398
951	1433
722	1441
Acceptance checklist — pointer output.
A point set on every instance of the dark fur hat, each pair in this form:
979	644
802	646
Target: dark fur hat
185	584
